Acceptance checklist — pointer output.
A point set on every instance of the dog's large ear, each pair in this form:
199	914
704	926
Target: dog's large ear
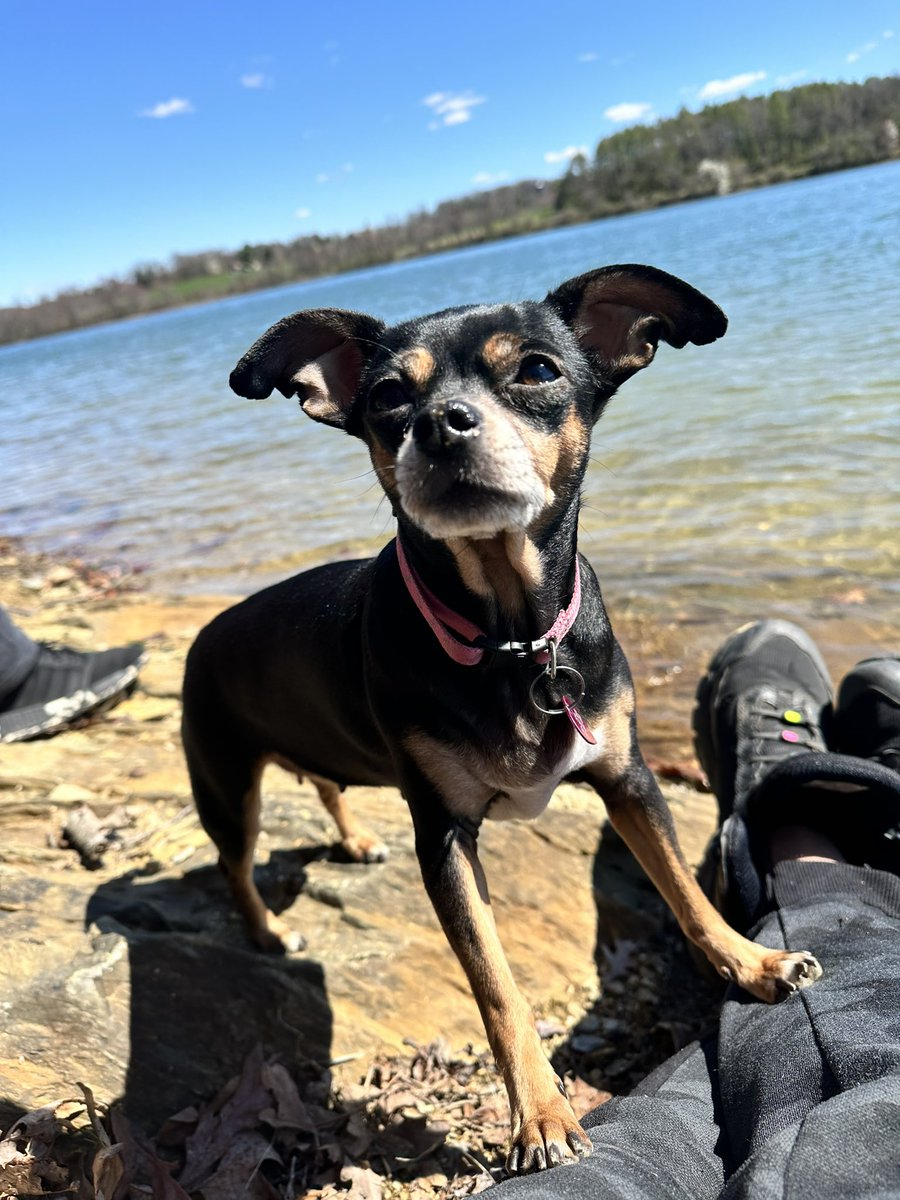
621	313
317	355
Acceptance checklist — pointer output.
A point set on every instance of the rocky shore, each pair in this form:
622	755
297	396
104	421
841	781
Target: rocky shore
146	1049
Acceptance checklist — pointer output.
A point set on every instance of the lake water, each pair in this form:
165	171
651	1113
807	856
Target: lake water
763	466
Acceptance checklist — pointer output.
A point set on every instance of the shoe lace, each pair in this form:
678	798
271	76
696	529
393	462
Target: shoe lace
782	725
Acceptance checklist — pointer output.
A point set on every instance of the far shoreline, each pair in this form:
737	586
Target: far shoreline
243	286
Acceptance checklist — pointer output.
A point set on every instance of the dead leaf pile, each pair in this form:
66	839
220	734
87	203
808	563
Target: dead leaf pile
43	1151
416	1127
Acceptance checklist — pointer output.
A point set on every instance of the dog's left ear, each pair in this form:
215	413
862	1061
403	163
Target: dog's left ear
317	355
621	313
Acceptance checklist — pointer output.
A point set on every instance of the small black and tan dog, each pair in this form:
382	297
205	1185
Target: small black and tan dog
471	663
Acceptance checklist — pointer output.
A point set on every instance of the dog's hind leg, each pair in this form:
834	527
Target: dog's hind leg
227	795
358	842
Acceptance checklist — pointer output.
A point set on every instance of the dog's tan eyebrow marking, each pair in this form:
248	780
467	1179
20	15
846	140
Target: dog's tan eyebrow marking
418	363
501	351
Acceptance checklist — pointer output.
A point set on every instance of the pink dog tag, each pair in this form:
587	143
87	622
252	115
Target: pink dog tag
577	721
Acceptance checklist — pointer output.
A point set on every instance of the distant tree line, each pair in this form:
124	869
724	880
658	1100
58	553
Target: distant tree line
725	147
744	143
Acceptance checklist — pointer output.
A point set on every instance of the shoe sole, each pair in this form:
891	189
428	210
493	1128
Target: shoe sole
741	644
107	693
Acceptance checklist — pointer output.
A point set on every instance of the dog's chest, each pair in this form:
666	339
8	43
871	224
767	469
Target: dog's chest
526	799
500	784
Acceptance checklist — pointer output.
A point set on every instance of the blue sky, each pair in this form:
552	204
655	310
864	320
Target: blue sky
133	130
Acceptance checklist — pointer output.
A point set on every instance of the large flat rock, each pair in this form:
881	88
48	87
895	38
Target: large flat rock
137	979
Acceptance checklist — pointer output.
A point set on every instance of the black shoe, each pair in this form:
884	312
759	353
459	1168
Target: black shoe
65	685
867	711
762	700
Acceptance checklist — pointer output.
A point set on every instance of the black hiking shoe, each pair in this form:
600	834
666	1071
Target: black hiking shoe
65	685
761	703
763	700
867	711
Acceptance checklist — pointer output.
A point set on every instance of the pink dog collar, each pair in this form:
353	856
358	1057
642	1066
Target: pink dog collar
444	622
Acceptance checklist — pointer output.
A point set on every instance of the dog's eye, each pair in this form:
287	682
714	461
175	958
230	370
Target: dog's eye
537	369
387	395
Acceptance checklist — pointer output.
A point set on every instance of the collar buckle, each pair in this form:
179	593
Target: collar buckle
518	650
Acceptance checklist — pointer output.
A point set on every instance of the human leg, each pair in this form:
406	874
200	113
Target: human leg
18	654
660	1142
828	1060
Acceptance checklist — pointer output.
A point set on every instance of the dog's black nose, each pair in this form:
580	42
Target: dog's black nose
444	425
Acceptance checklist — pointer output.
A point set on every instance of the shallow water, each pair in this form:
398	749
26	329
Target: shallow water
758	471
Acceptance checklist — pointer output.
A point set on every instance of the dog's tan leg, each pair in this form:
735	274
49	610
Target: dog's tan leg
359	842
545	1130
269	932
640	815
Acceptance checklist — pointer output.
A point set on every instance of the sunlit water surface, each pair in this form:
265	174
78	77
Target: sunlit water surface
763	466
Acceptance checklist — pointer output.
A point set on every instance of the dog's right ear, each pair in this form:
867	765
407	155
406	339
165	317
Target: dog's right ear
317	355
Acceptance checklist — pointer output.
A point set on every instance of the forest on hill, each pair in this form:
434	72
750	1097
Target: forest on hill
745	143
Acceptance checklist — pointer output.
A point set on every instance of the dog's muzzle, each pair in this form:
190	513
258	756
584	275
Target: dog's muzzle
464	470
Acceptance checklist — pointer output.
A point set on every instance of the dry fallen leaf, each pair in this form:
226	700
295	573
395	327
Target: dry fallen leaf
38	1130
107	1171
218	1127
364	1183
238	1172
290	1112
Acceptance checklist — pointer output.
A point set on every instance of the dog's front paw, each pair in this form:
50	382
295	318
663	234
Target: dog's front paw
790	972
778	974
551	1137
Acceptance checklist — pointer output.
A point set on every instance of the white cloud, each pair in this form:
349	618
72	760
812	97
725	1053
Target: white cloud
302	213
169	108
716	88
855	55
558	156
453	108
791	77
888	33
331	176
255	80
485	178
588	56
620	113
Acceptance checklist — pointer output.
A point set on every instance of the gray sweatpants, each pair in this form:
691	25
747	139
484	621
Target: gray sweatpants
794	1100
18	654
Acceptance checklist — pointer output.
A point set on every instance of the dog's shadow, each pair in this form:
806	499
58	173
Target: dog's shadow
201	997
653	999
